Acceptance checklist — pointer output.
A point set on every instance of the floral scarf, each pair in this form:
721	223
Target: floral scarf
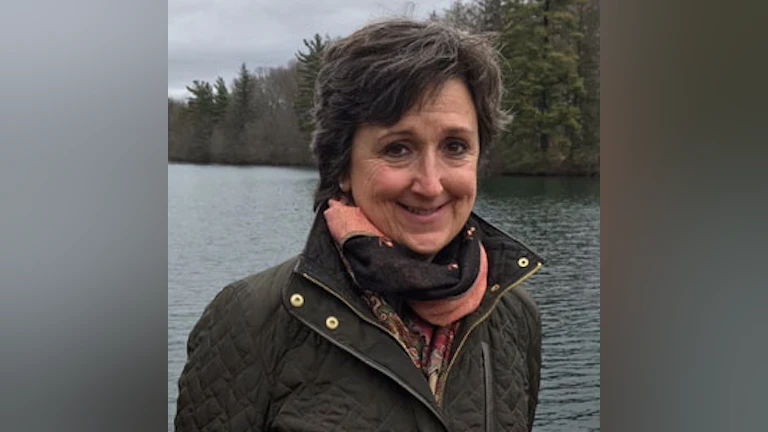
438	292
428	346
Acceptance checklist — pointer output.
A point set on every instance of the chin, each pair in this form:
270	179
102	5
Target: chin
426	246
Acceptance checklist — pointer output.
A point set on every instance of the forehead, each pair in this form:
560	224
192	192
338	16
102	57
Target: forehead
451	102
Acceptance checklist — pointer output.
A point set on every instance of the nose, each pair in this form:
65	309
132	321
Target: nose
428	179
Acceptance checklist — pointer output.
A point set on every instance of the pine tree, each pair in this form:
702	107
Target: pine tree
220	100
201	100
309	64
561	124
586	152
241	111
464	16
179	131
489	15
541	80
549	52
200	110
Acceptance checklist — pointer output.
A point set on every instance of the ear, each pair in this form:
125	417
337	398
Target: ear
345	185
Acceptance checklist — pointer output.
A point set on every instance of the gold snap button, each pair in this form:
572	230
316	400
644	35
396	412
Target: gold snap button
332	322
297	300
523	262
495	287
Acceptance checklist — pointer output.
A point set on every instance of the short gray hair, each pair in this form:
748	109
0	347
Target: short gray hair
379	72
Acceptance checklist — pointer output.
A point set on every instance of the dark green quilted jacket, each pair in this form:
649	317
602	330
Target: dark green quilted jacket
294	348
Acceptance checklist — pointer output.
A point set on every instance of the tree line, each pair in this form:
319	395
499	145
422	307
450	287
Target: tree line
550	59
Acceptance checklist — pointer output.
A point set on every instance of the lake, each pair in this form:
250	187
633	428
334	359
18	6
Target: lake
227	222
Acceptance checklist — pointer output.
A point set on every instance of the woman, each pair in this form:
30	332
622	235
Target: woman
404	312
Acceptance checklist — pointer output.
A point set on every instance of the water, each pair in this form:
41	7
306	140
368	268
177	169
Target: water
227	222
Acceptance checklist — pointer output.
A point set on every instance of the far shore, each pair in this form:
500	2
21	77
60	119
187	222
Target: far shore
312	167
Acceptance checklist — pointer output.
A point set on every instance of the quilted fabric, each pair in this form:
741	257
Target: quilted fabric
259	362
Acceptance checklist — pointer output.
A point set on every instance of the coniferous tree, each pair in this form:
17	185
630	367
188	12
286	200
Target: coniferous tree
309	64
489	15
220	148
541	81
463	16
241	111
561	121
200	111
179	131
586	154
520	45
549	53
220	100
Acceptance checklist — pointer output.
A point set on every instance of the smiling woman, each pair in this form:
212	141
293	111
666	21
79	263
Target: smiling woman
405	310
417	179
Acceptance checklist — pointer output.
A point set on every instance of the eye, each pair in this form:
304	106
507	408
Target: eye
396	150
456	148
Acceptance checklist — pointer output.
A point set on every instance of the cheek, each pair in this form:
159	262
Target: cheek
371	185
462	184
384	184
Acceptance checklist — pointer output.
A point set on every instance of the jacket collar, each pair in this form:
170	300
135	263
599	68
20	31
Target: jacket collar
509	262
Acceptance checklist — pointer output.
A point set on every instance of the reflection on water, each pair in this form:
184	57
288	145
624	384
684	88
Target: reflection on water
227	222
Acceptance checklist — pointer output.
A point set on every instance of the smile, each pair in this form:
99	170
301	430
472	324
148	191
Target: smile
421	211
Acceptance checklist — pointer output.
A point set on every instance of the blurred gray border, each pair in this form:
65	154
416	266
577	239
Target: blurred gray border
83	217
83	225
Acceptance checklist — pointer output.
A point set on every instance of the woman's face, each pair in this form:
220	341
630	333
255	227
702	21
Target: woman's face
417	180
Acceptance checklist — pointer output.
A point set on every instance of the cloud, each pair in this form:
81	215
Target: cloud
211	38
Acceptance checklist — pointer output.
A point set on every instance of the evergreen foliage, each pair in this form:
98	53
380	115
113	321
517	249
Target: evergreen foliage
220	100
542	82
200	115
550	58
309	65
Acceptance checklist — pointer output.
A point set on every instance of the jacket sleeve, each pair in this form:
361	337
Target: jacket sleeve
534	365
224	384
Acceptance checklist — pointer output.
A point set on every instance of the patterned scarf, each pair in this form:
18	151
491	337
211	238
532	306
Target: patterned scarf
438	292
428	346
441	291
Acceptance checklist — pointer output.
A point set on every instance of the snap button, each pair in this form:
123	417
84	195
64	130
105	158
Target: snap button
297	300
523	262
331	322
495	287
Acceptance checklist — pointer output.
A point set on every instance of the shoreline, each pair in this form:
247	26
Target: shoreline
312	167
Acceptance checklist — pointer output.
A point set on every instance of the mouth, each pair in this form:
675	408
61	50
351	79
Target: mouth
421	211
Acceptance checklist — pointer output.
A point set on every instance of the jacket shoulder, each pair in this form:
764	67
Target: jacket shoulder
252	300
260	294
519	293
231	352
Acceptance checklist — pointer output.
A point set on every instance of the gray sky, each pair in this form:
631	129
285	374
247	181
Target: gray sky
210	38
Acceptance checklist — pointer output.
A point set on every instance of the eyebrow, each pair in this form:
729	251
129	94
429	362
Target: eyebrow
454	130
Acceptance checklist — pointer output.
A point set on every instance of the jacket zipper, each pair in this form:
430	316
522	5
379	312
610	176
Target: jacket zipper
488	375
483	318
364	359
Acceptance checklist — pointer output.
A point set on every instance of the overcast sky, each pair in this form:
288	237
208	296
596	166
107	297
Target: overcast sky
210	38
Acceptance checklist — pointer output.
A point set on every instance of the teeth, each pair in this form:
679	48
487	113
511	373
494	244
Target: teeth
420	212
